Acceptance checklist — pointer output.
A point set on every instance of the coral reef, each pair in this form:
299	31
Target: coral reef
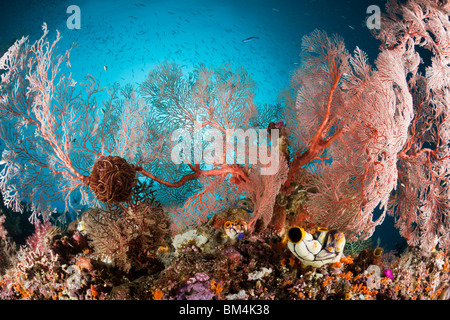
161	222
205	264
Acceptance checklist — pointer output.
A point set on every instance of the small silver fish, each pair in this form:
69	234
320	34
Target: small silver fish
250	39
105	68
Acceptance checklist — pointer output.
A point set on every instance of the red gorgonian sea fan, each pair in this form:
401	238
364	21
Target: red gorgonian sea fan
57	136
348	112
52	129
389	125
421	202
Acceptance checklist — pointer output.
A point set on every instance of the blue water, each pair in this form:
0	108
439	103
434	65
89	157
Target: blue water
121	41
131	37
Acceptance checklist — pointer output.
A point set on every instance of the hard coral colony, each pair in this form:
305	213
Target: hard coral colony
224	231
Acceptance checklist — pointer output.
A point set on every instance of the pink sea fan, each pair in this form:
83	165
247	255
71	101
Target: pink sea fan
36	242
195	210
3	231
358	117
421	203
262	190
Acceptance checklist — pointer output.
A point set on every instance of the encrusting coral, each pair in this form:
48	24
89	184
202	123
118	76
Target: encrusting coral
208	265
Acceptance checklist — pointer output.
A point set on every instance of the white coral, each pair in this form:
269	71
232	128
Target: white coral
7	61
187	238
258	275
241	295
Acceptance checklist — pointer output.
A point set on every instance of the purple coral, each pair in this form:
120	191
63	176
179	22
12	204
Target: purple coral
196	288
388	273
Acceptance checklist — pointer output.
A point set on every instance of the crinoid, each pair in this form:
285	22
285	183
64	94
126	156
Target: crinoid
112	179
